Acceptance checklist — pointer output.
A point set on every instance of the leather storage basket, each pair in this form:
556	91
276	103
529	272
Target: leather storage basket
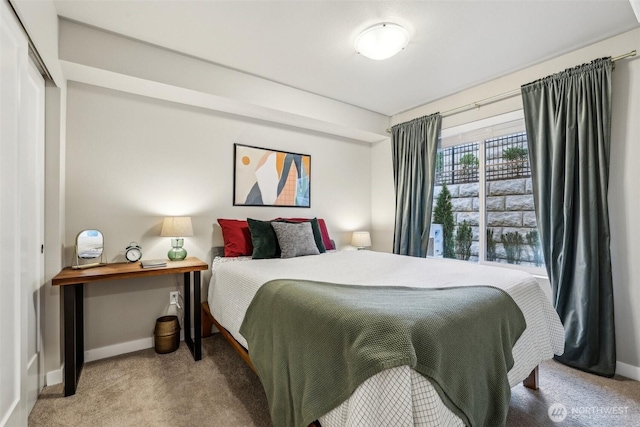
167	334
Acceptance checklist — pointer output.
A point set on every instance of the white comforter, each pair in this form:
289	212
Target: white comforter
398	396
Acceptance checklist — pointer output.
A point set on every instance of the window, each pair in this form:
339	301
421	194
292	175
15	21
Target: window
483	208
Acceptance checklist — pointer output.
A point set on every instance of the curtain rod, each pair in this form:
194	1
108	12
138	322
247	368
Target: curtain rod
506	95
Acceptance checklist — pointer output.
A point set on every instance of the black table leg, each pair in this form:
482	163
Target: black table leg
195	343
73	336
197	316
187	311
79	330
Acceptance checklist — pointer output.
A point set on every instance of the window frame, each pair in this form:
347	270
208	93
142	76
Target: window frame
477	126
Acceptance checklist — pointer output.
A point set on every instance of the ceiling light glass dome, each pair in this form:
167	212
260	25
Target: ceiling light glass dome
382	41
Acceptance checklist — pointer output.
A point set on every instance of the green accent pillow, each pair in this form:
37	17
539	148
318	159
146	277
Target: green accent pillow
264	239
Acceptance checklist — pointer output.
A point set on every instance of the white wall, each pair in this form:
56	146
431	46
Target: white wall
85	50
624	205
132	160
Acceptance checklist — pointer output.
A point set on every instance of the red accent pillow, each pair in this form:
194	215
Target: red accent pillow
323	230
328	244
236	236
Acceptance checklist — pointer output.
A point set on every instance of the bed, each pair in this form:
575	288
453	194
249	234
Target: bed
398	396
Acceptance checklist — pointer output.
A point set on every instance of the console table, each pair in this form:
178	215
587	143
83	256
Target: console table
72	282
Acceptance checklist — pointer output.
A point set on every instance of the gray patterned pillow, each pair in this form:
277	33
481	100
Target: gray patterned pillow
295	239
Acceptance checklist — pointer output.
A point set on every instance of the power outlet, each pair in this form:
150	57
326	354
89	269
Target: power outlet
173	297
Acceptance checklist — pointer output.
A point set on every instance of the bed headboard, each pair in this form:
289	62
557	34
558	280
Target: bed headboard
217	251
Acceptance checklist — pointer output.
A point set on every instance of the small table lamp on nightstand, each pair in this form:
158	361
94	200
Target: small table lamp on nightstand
361	239
177	227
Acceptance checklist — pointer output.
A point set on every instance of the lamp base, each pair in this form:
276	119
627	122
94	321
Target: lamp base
177	252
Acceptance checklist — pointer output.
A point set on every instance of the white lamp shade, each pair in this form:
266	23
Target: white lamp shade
361	239
176	226
382	41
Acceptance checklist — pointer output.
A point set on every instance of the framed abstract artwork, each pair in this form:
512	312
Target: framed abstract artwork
264	177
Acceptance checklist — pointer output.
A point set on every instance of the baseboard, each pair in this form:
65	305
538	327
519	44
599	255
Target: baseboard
55	377
117	349
628	371
122	348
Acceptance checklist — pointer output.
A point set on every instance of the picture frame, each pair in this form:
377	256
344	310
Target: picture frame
268	177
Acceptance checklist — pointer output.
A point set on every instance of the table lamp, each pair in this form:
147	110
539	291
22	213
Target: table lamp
361	239
177	227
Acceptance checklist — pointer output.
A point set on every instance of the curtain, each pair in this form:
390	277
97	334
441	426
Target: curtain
414	146
568	122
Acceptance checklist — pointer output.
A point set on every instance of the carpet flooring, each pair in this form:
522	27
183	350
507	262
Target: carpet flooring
147	389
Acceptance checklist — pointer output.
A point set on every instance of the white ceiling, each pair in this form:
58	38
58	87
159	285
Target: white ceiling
309	44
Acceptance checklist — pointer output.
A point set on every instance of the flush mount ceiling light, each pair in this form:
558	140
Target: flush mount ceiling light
381	41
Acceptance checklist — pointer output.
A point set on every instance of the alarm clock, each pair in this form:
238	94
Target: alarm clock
133	252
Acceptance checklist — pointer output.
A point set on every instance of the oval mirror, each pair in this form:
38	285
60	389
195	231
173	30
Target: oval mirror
89	244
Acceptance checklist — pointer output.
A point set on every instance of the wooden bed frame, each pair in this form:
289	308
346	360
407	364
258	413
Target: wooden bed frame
532	381
208	321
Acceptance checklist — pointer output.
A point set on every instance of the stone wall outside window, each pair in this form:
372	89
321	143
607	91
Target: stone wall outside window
509	206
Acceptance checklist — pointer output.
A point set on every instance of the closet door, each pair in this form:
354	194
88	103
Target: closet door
13	59
31	193
21	222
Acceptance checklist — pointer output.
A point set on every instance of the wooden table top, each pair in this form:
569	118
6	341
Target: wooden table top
125	270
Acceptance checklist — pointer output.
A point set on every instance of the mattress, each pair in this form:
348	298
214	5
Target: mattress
398	396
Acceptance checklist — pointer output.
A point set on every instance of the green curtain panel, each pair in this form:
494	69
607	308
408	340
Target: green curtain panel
568	121
414	146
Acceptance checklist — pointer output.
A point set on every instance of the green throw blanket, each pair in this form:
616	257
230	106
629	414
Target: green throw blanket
314	343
